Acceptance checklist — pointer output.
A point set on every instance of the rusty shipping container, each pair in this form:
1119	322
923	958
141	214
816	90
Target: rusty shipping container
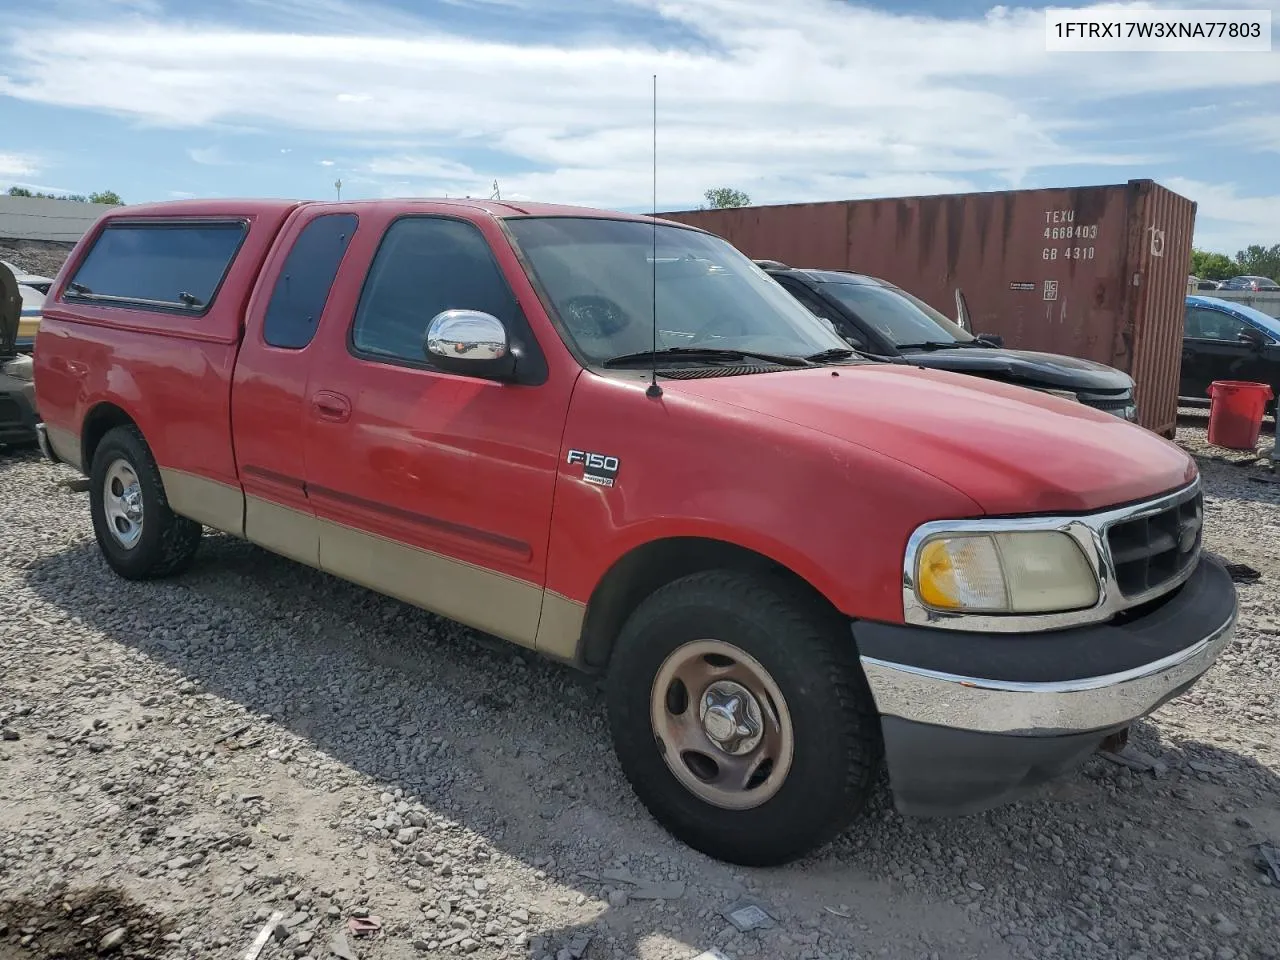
1093	272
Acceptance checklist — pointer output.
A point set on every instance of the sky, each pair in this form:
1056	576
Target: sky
788	100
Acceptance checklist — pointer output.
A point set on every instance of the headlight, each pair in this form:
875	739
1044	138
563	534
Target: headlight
1019	572
20	369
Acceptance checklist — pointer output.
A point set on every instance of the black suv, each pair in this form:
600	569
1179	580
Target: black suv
879	318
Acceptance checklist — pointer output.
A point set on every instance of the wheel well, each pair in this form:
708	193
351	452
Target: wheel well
103	417
652	566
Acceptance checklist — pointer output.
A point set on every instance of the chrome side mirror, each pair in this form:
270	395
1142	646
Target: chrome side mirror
470	342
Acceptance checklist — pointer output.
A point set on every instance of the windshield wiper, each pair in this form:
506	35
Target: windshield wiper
935	345
79	288
845	353
835	353
714	354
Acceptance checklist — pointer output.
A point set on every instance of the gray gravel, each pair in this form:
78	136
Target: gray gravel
255	737
43	258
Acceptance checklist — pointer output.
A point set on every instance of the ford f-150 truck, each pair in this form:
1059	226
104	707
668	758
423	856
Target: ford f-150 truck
616	441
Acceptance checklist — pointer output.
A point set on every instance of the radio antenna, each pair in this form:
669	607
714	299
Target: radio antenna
654	390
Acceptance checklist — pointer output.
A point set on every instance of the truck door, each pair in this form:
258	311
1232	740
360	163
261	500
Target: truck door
269	399
432	487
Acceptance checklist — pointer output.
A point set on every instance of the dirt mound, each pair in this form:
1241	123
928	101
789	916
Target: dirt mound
76	925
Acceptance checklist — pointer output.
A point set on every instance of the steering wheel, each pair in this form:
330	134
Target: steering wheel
592	316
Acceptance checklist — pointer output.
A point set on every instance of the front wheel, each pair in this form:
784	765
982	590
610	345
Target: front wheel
740	715
140	537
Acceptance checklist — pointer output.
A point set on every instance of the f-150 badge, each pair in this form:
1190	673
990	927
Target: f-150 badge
597	468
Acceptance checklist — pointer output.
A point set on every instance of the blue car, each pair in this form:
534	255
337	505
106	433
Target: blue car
1222	340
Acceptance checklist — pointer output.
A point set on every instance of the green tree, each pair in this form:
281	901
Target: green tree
720	197
1259	261
106	196
1211	266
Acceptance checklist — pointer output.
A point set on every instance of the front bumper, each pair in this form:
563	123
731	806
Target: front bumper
971	721
17	410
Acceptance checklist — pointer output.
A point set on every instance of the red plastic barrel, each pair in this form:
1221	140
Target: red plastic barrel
1235	413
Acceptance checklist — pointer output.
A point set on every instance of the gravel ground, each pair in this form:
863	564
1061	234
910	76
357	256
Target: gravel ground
182	761
44	259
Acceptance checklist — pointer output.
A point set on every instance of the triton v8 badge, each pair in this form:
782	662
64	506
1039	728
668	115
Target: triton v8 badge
597	468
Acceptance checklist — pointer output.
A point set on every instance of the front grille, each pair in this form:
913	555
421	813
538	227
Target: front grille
1150	551
1113	402
10	412
1109	404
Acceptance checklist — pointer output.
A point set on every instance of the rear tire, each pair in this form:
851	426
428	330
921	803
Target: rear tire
140	537
809	716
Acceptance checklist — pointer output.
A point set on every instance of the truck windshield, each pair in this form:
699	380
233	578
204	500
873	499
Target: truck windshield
601	275
896	315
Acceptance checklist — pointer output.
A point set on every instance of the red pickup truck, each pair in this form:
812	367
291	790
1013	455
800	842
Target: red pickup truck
619	443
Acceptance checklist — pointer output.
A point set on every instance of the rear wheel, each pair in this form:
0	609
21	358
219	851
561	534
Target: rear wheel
741	716
140	537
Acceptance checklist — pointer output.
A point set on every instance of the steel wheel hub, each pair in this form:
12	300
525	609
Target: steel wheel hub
721	724
731	717
122	503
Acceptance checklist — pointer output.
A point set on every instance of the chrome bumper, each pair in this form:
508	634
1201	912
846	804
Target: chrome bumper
1039	709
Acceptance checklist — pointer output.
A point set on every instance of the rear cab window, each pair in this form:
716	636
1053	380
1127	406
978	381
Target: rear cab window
158	265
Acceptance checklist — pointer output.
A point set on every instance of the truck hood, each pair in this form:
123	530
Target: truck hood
1009	449
1025	366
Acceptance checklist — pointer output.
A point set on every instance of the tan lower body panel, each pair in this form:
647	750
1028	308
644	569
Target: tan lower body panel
217	505
560	627
488	601
291	533
493	602
66	445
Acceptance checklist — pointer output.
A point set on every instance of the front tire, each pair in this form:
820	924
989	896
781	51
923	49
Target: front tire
140	537
740	714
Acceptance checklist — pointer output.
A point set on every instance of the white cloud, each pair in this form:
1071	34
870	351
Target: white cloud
328	16
14	166
421	167
151	7
804	100
326	163
632	188
1227	220
209	156
1259	130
